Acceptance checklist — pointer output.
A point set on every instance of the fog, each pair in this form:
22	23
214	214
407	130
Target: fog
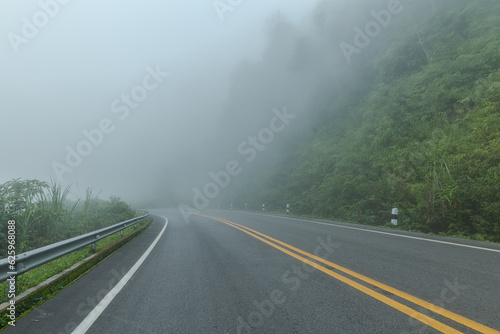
142	100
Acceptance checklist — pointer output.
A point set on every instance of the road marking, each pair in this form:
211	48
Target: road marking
455	317
97	311
380	232
400	307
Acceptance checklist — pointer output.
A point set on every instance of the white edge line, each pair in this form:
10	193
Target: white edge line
96	312
380	232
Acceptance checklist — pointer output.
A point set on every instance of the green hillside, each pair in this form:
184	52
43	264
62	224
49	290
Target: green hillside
413	124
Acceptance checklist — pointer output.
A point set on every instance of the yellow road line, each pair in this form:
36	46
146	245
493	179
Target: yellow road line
411	312
434	308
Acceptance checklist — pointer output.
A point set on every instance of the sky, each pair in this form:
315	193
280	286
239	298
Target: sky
111	94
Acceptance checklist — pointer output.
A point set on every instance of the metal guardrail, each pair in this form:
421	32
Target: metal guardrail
34	258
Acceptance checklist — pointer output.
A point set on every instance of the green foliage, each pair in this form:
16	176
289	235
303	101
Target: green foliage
44	214
416	126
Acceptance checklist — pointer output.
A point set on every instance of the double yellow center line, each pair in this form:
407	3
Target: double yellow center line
296	253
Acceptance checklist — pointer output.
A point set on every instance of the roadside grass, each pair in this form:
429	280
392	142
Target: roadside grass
38	275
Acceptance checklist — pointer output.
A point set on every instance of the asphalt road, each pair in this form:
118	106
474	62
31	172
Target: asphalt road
236	272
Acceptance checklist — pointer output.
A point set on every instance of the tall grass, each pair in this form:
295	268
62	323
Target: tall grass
44	214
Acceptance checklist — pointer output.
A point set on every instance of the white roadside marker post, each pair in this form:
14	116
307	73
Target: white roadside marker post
394	217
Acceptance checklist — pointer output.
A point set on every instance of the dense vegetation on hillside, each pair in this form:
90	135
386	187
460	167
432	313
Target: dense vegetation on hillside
412	122
43	213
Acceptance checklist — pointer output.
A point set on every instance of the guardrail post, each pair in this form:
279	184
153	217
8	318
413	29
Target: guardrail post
135	226
121	234
93	247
